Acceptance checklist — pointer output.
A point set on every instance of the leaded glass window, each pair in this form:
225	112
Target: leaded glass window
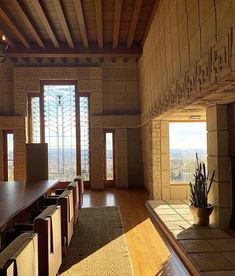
60	130
84	137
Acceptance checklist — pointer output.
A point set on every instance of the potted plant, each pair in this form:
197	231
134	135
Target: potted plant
199	191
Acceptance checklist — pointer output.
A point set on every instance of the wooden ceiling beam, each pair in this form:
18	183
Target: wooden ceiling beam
75	53
134	21
45	22
117	17
63	22
81	22
150	22
99	24
28	24
13	28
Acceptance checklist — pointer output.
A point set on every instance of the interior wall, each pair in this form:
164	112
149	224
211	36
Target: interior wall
135	159
187	49
6	89
114	103
188	64
146	138
219	159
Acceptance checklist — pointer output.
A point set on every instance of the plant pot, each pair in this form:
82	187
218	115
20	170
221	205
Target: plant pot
201	216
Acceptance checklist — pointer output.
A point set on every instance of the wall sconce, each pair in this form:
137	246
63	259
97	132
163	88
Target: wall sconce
3	48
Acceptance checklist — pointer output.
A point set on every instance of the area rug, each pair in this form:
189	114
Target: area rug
98	246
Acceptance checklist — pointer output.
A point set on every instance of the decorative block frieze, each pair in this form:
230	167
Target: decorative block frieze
191	81
210	74
221	57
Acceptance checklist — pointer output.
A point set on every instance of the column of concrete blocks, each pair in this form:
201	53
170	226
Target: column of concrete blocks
156	159
97	158
20	91
121	158
96	129
219	160
147	156
19	131
165	159
6	89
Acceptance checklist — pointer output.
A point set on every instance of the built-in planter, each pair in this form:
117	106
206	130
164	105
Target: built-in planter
201	216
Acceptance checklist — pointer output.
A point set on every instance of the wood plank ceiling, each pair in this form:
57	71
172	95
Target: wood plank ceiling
76	28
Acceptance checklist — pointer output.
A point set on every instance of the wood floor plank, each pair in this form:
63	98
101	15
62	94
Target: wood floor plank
149	253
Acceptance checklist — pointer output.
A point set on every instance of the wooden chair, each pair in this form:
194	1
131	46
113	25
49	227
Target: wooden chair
20	258
75	188
80	182
67	217
65	200
48	227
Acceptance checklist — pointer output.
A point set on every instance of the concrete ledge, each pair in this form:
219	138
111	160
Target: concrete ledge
203	250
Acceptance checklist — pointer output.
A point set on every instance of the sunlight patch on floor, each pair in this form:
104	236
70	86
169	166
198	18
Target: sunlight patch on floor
145	233
111	259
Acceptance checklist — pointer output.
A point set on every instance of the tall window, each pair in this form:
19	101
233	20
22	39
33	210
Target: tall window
186	139
8	156
34	119
109	155
60	130
84	136
61	119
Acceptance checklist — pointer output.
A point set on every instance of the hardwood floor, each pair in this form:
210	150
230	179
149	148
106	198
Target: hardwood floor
149	254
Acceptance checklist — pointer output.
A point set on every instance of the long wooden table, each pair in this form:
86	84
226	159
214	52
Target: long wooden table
15	196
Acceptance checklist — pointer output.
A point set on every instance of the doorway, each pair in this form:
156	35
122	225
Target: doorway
8	159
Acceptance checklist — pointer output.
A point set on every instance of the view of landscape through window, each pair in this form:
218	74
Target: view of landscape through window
186	139
60	130
109	155
10	156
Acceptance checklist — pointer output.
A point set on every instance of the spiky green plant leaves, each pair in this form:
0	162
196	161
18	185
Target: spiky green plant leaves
200	189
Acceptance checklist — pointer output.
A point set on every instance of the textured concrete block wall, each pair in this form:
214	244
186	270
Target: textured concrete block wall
120	88
6	89
114	103
146	139
121	157
220	161
188	64
189	46
135	158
